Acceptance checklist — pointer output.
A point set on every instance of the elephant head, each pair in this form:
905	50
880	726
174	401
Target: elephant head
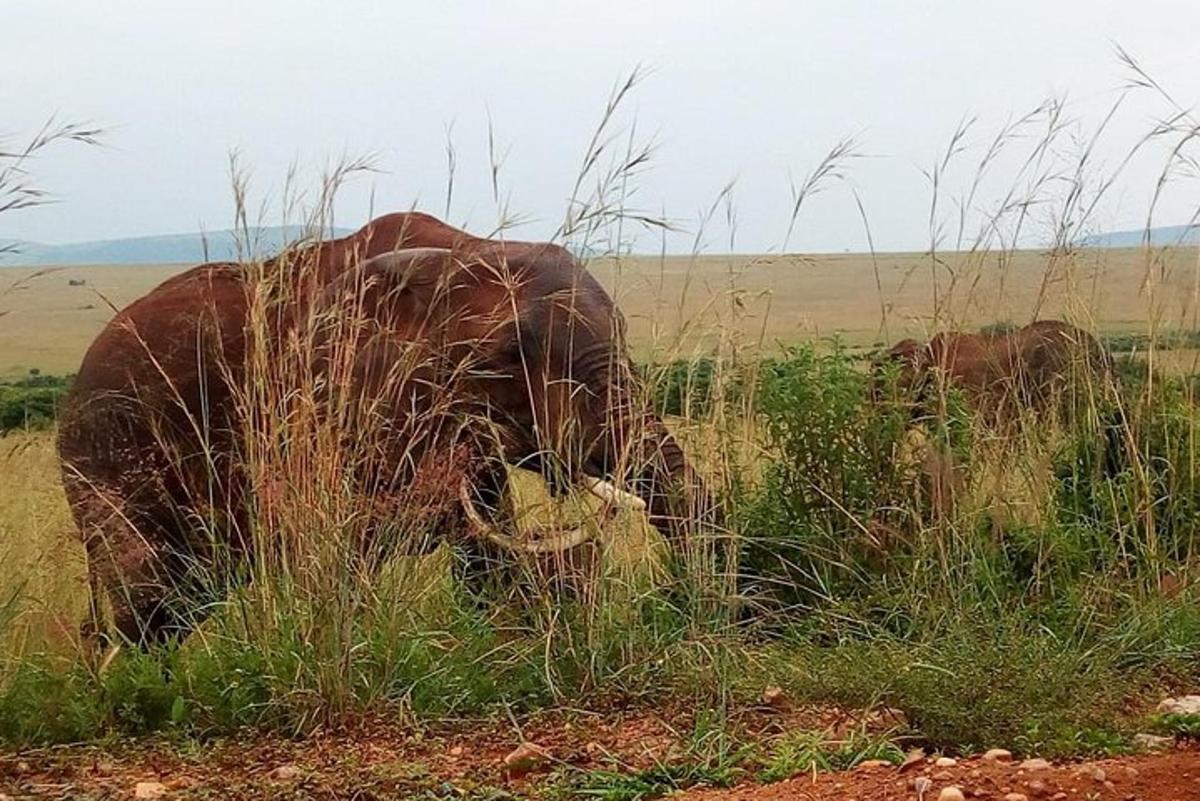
896	371
515	352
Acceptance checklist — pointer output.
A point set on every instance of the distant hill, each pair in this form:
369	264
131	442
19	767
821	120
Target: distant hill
164	249
1167	235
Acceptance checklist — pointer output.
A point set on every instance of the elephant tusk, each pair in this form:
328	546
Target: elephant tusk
610	493
555	542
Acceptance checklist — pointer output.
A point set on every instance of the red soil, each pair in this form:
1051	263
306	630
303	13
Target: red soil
1171	776
466	759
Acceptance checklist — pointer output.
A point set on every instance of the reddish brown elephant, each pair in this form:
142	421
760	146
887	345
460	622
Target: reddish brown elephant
1001	373
429	351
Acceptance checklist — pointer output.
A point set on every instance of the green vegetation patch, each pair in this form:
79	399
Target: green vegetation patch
32	403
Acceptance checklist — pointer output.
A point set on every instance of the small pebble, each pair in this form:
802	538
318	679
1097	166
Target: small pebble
774	696
524	758
1035	764
147	790
1015	797
997	755
1183	705
951	793
1099	775
912	759
946	762
286	773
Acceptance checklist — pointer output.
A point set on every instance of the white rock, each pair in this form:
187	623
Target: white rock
868	764
912	759
888	716
1015	797
997	755
945	762
149	790
1183	705
951	793
1152	742
524	758
1035	764
774	696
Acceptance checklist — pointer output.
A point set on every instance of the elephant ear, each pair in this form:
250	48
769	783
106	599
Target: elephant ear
404	283
443	303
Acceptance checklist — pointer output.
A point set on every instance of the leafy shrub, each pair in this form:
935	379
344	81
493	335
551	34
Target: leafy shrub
32	403
1140	341
835	475
689	387
682	386
998	327
1131	478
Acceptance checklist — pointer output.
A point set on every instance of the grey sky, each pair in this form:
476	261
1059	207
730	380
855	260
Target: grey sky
748	90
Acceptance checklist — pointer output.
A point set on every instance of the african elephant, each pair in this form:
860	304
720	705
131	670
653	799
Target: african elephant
1002	372
428	351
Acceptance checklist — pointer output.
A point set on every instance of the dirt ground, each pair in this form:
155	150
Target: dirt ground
1171	776
381	759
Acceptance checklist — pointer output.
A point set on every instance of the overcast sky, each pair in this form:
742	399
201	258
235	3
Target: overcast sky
755	92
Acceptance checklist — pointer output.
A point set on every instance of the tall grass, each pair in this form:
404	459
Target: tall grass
1023	583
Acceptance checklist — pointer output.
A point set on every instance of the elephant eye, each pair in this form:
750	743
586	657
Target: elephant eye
523	341
511	353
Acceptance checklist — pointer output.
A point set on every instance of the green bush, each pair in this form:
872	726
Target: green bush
682	387
998	328
834	475
1131	480
31	403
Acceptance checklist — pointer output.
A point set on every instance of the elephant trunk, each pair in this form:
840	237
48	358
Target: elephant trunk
634	449
647	460
676	497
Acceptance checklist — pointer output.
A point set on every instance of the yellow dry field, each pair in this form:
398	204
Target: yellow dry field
43	585
678	304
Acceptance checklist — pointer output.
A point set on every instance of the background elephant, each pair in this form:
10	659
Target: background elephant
1000	373
436	359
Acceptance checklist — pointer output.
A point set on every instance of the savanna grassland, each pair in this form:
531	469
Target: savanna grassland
1045	611
889	572
678	304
